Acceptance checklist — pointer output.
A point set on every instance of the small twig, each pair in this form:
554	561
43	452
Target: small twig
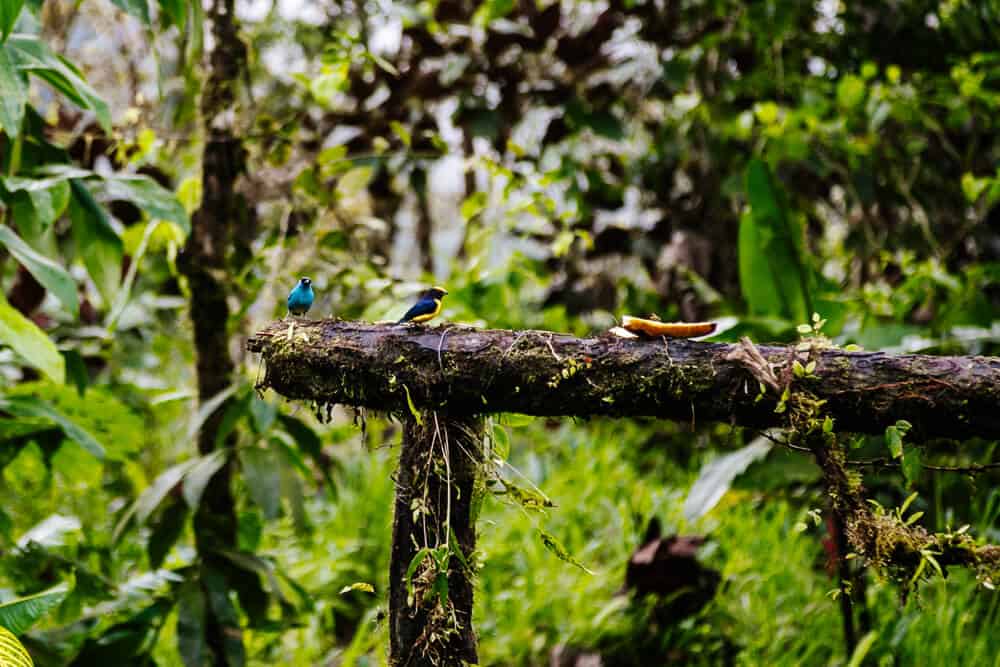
440	345
785	443
548	341
883	462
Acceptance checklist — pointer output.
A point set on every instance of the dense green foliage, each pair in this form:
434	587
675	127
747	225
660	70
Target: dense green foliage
556	165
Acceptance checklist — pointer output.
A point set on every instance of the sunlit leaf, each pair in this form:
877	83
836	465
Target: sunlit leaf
20	614
198	476
358	586
153	496
51	532
32	406
32	55
13	93
717	476
850	91
50	275
354	181
150	196
99	412
30	343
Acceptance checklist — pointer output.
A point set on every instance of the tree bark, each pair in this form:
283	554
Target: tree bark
435	495
459	370
205	263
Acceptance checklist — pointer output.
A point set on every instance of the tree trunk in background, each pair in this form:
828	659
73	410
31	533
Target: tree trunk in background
205	262
425	225
435	487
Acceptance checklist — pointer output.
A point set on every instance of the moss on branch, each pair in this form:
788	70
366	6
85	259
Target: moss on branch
462	371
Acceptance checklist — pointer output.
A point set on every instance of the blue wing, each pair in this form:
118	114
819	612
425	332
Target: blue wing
422	307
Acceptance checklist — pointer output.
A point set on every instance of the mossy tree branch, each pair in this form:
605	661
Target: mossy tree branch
462	371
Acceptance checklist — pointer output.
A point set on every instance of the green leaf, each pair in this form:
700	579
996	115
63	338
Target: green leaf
850	92
226	615
501	442
473	205
52	531
973	187
912	465
30	343
34	56
358	586
490	10
262	474
166	531
32	406
13	93
307	441
20	614
151	498
411	569
894	441
12	651
37	203
175	12
772	274
198	476
191	624
100	413
9	11
332	79
150	196
98	242
53	277
413	408
400	131
557	548
862	649
137	8
354	181
717	476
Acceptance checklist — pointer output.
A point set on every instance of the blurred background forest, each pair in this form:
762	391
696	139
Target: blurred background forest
555	165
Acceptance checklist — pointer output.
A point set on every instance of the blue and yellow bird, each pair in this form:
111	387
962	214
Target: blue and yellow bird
300	299
427	307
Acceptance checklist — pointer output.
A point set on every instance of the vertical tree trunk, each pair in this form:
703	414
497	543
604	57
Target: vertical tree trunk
206	264
425	224
430	599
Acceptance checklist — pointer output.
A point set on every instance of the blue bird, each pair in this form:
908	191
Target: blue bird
427	307
300	299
